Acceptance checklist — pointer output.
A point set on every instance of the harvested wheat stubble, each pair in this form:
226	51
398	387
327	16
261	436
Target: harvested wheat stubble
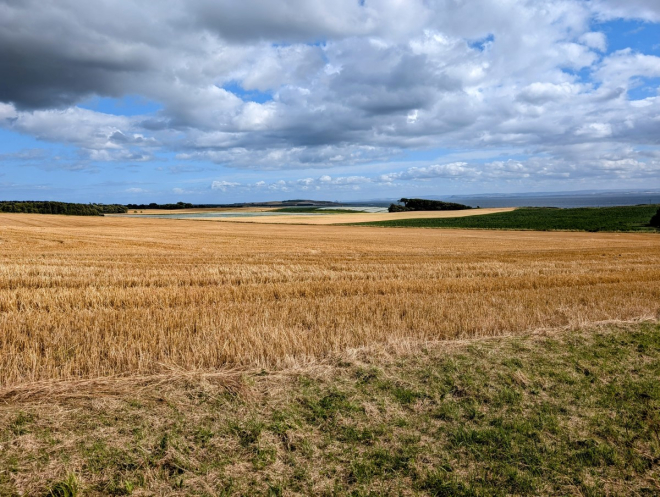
349	217
94	297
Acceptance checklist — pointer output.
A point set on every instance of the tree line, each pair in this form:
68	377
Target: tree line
65	208
153	205
655	220
422	204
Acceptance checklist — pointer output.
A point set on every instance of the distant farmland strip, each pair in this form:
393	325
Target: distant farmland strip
628	218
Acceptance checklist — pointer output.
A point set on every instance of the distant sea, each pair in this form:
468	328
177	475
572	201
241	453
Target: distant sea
562	200
557	199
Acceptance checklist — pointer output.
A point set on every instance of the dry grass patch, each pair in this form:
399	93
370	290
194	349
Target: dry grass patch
570	413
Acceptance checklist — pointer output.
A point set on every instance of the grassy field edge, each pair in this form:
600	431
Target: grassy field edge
574	412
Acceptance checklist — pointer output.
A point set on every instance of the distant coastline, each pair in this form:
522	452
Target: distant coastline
586	198
557	200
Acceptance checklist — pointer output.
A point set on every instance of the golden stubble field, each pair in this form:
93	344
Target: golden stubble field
320	219
94	297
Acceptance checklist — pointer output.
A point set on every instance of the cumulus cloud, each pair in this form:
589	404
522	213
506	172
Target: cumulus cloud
99	136
223	185
292	84
647	10
452	170
624	165
541	93
594	39
624	65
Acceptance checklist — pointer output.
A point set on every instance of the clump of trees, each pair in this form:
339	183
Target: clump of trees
422	204
655	220
153	205
65	208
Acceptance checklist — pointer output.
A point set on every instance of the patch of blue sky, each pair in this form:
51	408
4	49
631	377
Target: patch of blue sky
40	180
39	170
643	37
582	75
26	159
14	142
644	88
482	43
129	105
248	95
320	42
423	155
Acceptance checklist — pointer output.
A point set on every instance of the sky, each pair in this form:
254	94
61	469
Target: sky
218	101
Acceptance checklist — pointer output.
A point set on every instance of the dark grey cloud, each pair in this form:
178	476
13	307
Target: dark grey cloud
52	54
286	21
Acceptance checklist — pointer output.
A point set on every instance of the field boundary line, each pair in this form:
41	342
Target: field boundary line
232	380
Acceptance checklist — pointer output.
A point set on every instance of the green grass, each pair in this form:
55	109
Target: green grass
576	413
627	218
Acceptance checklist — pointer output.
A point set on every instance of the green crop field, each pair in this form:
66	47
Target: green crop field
628	218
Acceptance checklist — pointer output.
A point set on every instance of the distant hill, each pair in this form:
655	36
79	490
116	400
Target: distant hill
278	203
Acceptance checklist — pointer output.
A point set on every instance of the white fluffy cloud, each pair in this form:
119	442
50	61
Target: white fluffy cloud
628	165
223	185
647	10
292	84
